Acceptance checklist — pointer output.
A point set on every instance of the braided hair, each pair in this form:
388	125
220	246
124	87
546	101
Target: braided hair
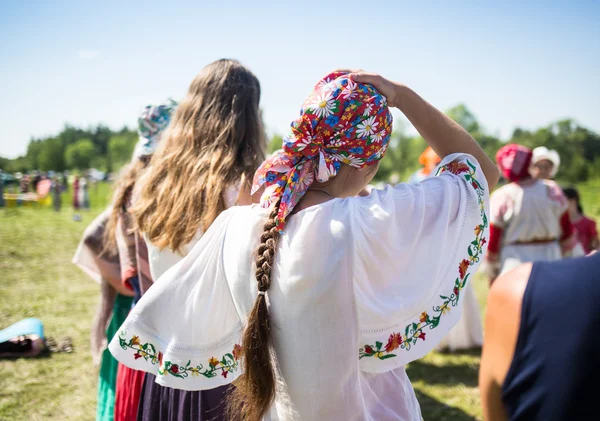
255	390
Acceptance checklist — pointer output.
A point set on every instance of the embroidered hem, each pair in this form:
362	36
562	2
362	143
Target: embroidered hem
409	336
174	366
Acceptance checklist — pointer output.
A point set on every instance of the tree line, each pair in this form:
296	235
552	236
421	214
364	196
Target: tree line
76	149
107	150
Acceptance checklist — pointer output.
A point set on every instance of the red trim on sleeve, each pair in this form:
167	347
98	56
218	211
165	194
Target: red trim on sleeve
566	226
495	238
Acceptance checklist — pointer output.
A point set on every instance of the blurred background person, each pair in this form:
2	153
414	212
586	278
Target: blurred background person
429	160
539	359
114	306
585	227
76	197
37	177
84	194
24	183
529	219
56	193
122	237
544	163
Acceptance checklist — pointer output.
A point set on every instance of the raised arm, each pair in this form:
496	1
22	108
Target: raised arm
443	134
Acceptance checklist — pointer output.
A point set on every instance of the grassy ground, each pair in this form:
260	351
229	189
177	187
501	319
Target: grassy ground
37	279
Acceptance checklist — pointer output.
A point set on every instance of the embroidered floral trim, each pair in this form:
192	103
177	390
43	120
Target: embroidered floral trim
416	331
229	363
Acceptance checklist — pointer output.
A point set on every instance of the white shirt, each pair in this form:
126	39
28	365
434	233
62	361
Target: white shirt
361	287
527	213
160	260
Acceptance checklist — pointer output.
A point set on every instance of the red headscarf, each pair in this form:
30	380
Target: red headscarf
513	161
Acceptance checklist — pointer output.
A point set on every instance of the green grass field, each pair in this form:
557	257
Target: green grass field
37	279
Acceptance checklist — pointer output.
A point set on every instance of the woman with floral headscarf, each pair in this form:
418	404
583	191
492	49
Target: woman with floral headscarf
121	236
109	253
529	217
312	303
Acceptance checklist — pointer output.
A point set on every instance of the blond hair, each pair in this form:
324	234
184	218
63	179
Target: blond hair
215	140
121	200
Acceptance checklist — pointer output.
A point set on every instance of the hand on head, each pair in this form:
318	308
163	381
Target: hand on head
386	87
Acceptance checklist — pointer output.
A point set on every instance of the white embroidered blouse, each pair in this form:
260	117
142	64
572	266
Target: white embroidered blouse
361	287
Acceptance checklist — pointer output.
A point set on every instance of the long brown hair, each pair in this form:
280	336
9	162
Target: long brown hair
214	140
122	194
255	389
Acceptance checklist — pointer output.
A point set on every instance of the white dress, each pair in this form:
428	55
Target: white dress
361	286
528	213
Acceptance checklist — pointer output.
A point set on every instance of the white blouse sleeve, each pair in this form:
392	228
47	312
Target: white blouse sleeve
186	329
415	248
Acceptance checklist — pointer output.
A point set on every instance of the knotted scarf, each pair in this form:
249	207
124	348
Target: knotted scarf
341	122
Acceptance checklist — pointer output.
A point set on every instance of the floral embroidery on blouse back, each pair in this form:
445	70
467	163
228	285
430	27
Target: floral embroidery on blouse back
415	331
229	363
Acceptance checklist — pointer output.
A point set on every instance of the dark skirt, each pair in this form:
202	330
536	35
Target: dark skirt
159	403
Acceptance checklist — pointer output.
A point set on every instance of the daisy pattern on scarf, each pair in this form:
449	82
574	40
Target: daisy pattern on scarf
350	159
323	105
366	127
324	82
268	198
304	142
332	129
378	137
348	92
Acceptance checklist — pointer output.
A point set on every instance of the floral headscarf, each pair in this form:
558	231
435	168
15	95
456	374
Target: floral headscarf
153	120
513	161
341	121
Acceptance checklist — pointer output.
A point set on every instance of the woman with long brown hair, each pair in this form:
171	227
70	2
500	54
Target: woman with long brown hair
314	302
203	165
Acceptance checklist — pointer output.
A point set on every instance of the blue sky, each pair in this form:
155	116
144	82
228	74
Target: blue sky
83	62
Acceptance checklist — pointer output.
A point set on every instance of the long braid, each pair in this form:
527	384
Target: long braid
255	390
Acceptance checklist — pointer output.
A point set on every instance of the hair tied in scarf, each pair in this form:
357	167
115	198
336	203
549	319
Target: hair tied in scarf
341	122
152	121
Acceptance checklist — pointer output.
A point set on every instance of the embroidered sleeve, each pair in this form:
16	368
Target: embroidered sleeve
422	245
171	331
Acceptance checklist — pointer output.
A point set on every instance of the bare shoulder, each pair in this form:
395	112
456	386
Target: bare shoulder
503	320
508	289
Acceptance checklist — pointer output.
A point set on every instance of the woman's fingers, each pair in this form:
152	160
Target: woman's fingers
384	86
364	77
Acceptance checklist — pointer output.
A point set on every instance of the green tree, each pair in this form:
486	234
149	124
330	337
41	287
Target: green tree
33	153
51	155
275	143
79	155
120	148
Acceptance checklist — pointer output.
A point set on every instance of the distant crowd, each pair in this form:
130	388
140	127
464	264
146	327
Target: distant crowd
35	186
